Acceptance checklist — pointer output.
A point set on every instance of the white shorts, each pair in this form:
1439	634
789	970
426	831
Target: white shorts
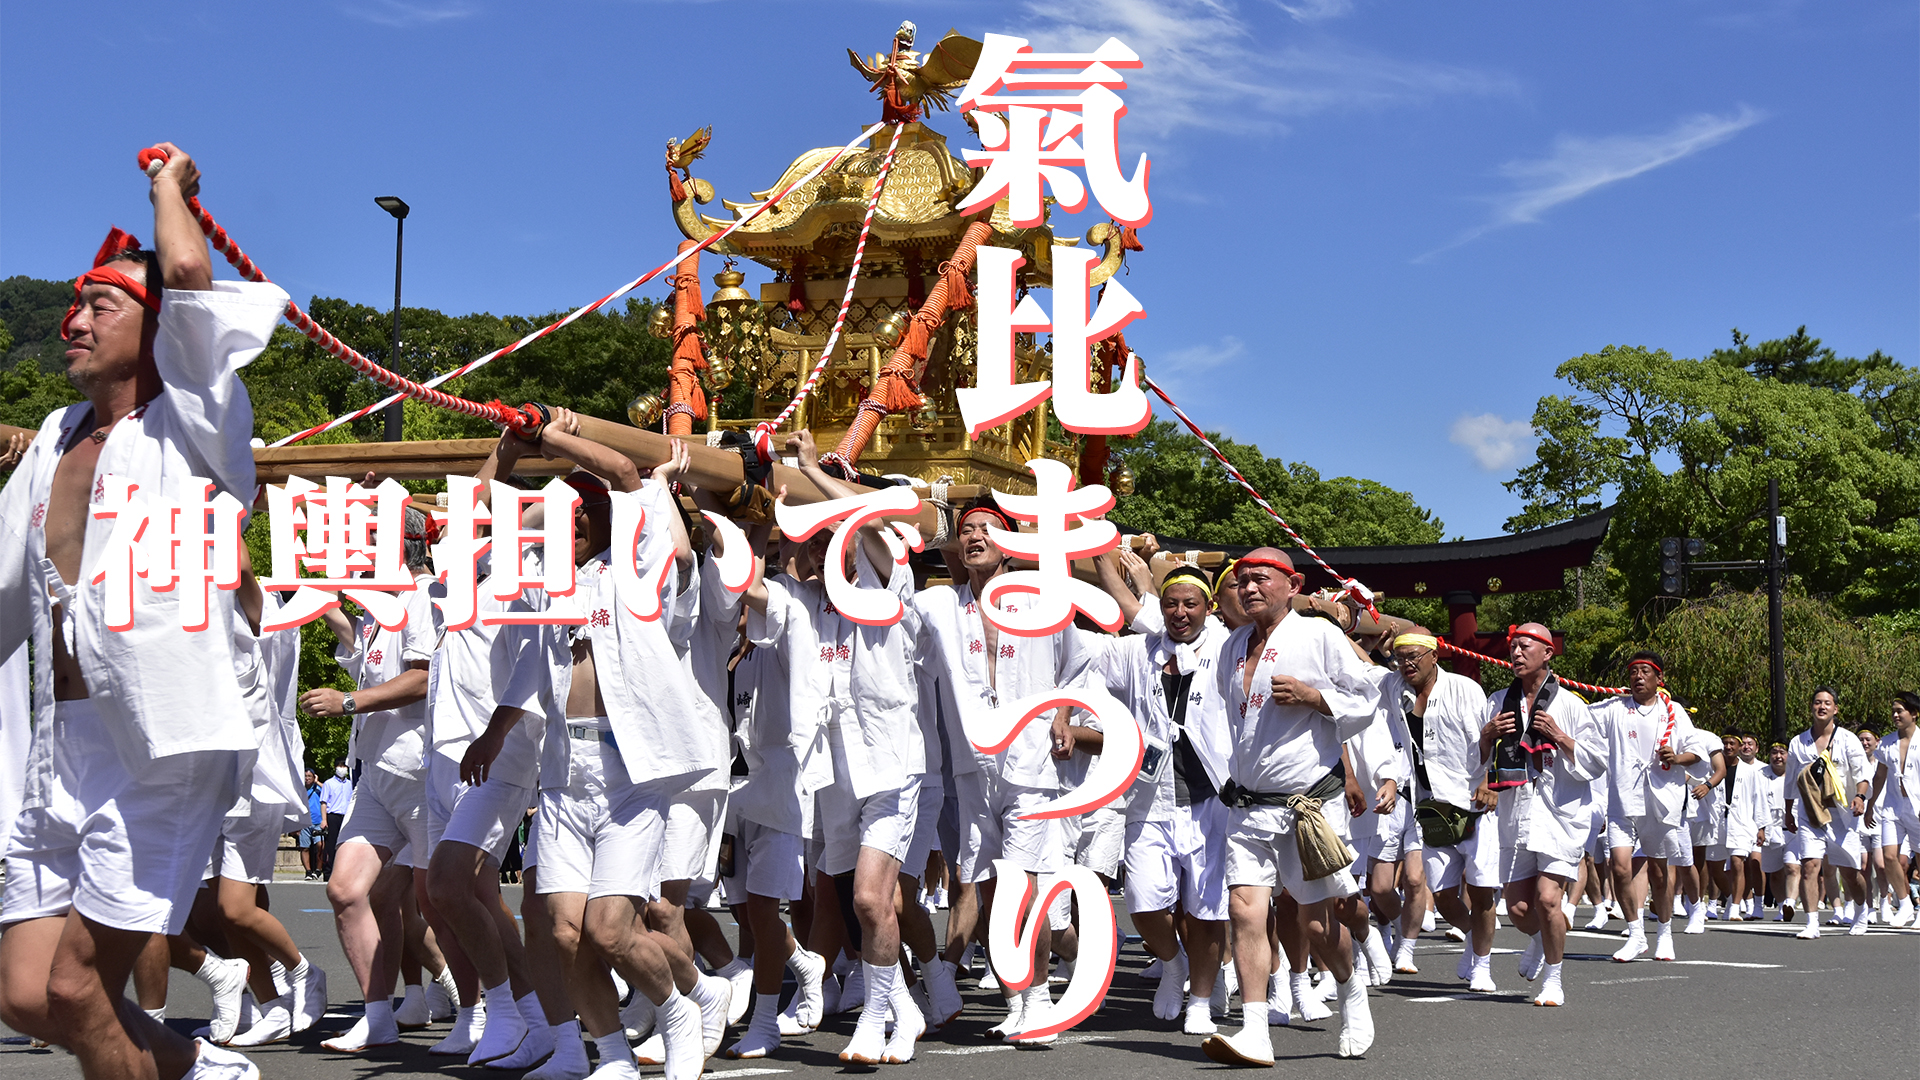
991	828
1481	865
926	828
883	821
1652	838
766	862
123	848
600	835
1395	836
1447	867
486	816
1182	862
1900	831
1258	857
1775	857
249	846
1520	863
389	812
695	820
1838	842
1097	840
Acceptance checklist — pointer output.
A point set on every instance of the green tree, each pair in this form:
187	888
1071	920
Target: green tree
1800	359
1181	491
1687	446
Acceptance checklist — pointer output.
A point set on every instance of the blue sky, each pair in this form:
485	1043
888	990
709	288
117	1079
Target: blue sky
1378	227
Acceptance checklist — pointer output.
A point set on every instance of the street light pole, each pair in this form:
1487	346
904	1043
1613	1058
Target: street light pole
398	208
1776	623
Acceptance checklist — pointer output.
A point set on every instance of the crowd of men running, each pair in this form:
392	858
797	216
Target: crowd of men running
1308	799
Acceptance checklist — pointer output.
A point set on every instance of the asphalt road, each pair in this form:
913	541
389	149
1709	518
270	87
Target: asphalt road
1743	1000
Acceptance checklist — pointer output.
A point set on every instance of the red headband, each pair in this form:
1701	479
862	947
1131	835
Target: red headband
434	528
1276	564
587	484
1515	631
1005	522
1644	660
117	243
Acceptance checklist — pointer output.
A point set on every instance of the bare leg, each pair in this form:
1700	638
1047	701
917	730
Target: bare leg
356	869
916	925
90	1016
963	914
150	974
1247	909
709	941
547	966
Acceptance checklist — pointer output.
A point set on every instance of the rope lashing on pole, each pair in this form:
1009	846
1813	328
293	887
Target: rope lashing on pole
763	432
526	418
898	386
1351	586
1603	691
235	257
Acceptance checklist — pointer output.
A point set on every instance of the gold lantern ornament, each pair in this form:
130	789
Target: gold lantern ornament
734	336
644	411
661	324
1120	480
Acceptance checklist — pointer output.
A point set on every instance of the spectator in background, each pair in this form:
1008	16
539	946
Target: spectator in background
335	794
313	837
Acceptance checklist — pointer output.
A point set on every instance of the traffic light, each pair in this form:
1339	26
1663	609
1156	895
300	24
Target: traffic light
1675	553
1673	567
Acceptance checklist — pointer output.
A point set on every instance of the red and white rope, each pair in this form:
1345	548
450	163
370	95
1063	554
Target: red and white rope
763	432
1603	691
1351	586
151	159
425	391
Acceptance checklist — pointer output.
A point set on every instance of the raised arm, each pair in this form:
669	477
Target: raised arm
1113	579
177	240
802	445
561	439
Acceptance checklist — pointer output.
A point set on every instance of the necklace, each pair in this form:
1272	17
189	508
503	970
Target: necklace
100	434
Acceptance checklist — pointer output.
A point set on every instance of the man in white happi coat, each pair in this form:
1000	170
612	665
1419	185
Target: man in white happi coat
1740	791
493	672
1176	825
1294	692
136	763
1544	751
1777	859
611	762
1823	814
273	804
382	850
859	681
981	667
1651	741
1437	713
1382	829
773	812
1896	772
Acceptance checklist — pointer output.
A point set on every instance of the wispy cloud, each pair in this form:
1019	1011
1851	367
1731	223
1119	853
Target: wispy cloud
1205	67
1580	165
403	13
1498	444
1310	11
1186	370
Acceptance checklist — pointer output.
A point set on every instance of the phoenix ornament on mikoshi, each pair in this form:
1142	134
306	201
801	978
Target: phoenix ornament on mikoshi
905	81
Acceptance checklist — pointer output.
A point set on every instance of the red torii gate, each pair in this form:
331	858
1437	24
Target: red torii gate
1461	573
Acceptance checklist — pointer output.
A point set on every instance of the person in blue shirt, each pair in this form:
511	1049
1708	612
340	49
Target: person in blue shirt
313	838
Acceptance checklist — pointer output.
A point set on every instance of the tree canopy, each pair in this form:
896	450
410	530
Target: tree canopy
1686	447
1180	490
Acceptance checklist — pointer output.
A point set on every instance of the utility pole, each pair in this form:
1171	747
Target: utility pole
1776	622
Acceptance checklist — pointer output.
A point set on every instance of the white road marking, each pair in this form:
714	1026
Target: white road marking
1444	997
1649	978
1061	1041
747	1072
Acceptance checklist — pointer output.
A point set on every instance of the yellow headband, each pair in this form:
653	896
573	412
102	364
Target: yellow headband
1188	575
1426	641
